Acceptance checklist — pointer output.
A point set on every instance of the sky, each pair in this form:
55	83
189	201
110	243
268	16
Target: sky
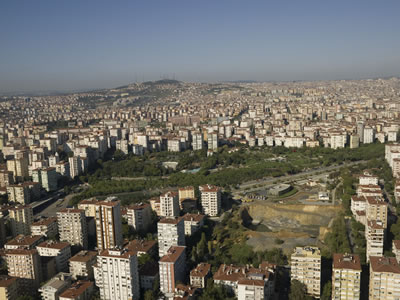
59	45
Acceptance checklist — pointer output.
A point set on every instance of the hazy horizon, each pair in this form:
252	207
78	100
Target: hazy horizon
71	46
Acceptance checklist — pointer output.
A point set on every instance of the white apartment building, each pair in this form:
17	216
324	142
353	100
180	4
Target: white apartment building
251	289
210	200
384	278
306	267
116	274
52	289
375	237
47	227
72	227
81	264
346	277
139	216
197	141
60	250
21	219
171	232
169	204
193	223
369	135
212	140
25	264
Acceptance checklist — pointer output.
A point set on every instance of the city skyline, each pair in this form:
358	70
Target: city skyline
79	46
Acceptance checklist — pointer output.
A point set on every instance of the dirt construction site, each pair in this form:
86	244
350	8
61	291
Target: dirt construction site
278	225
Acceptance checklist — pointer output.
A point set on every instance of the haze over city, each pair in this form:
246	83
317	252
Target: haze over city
83	45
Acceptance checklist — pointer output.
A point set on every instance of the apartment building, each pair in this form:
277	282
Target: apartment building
384	278
60	250
116	274
210	199
306	267
346	277
212	141
229	276
72	227
25	264
80	290
19	193
47	227
108	224
172	269
375	238
81	264
21	219
139	216
169	204
24	242
47	177
199	275
193	223
52	289
171	232
197	141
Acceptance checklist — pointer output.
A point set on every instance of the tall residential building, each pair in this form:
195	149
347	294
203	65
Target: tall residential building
47	227
47	177
108	224
169	204
172	269
375	238
384	278
346	277
25	264
75	166
21	219
60	250
171	232
210	199
19	167
6	178
197	141
139	216
72	227
116	274
369	135
212	139
306	267
19	193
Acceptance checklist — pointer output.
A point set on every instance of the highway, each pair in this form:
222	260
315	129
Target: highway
287	178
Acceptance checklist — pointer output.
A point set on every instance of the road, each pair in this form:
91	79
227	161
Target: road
286	178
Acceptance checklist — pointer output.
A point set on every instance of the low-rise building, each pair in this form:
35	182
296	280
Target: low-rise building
81	264
81	290
52	289
199	275
193	222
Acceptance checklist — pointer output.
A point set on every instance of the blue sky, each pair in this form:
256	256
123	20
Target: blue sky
86	44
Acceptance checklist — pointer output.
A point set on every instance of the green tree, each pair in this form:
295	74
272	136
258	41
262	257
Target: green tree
298	291
327	291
